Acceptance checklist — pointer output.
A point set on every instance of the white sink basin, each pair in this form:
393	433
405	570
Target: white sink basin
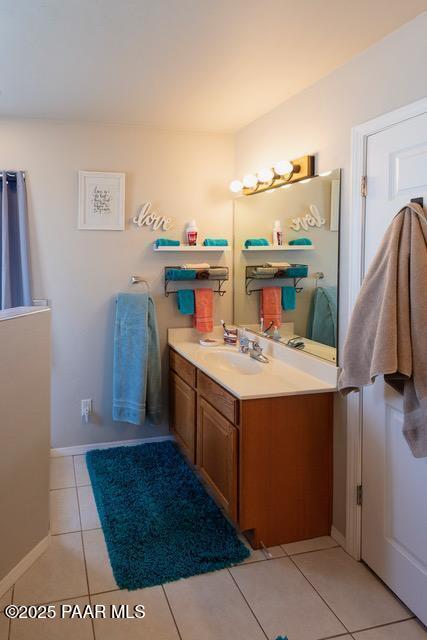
233	361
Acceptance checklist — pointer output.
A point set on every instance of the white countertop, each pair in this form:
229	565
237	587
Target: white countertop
288	371
17	312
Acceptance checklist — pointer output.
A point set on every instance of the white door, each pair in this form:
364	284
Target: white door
394	509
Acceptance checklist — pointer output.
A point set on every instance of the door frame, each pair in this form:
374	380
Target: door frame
359	139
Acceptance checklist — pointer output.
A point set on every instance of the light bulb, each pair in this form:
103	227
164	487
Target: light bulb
283	167
250	181
236	186
265	175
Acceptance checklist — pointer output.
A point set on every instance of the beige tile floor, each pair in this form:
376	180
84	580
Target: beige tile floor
310	590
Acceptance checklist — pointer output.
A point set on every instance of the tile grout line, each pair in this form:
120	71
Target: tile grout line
384	624
77	530
249	606
83	549
303	553
320	595
9	628
171	610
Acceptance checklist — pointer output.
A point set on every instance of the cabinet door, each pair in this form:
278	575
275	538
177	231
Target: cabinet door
183	415
217	455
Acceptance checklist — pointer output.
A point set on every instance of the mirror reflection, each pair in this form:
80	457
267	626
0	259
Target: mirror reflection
286	264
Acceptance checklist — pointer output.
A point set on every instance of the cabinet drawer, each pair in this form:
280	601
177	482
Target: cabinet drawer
223	401
183	368
217	456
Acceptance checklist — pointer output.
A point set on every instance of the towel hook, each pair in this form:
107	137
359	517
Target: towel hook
419	201
318	275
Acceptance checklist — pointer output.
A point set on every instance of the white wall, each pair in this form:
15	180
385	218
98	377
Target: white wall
185	175
318	121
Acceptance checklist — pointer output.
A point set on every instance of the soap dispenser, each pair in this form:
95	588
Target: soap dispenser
277	233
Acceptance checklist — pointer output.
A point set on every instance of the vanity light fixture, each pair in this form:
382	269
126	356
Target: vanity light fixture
250	181
283	167
283	173
236	186
265	175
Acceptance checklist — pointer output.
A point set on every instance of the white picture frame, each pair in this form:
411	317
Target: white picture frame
101	201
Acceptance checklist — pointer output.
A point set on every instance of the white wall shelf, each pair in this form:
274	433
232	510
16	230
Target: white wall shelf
283	247
187	249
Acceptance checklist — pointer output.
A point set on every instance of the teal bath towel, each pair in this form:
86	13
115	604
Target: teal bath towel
289	298
256	242
185	301
300	241
136	366
322	321
211	242
296	271
181	274
164	242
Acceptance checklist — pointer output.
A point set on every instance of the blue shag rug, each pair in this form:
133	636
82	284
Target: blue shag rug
158	521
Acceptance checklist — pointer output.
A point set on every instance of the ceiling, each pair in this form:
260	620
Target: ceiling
211	65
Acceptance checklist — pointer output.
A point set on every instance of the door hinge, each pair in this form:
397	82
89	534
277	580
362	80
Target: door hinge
364	186
359	494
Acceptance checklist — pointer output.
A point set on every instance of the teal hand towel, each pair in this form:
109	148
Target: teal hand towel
289	298
136	360
300	241
185	301
212	242
296	271
181	274
322	321
256	242
164	242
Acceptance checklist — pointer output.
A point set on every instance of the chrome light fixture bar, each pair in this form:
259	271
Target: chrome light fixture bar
284	172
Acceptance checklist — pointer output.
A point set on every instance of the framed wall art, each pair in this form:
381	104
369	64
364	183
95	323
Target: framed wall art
101	201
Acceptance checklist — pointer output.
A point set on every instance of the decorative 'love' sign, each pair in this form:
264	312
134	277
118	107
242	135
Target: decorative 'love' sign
312	219
149	218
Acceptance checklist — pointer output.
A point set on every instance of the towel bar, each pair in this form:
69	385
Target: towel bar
139	280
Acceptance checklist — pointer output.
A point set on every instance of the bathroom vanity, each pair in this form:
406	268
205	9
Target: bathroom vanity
259	435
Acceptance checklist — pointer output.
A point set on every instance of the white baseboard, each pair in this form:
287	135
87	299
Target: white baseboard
338	537
84	448
9	580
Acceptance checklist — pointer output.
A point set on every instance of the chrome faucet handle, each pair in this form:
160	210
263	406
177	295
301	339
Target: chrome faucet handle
256	346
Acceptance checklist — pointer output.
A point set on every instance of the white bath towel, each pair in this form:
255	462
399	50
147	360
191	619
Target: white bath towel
388	328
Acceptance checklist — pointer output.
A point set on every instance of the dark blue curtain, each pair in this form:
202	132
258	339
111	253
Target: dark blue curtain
15	281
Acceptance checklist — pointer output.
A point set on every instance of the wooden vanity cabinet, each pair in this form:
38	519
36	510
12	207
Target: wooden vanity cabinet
267	462
217	455
182	403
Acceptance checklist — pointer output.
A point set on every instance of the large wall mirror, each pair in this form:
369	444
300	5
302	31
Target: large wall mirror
302	278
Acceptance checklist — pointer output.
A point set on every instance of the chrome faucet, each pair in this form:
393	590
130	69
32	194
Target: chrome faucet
296	342
266	332
255	351
253	347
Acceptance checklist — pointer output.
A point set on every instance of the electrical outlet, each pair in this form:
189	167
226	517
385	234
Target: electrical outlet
86	409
